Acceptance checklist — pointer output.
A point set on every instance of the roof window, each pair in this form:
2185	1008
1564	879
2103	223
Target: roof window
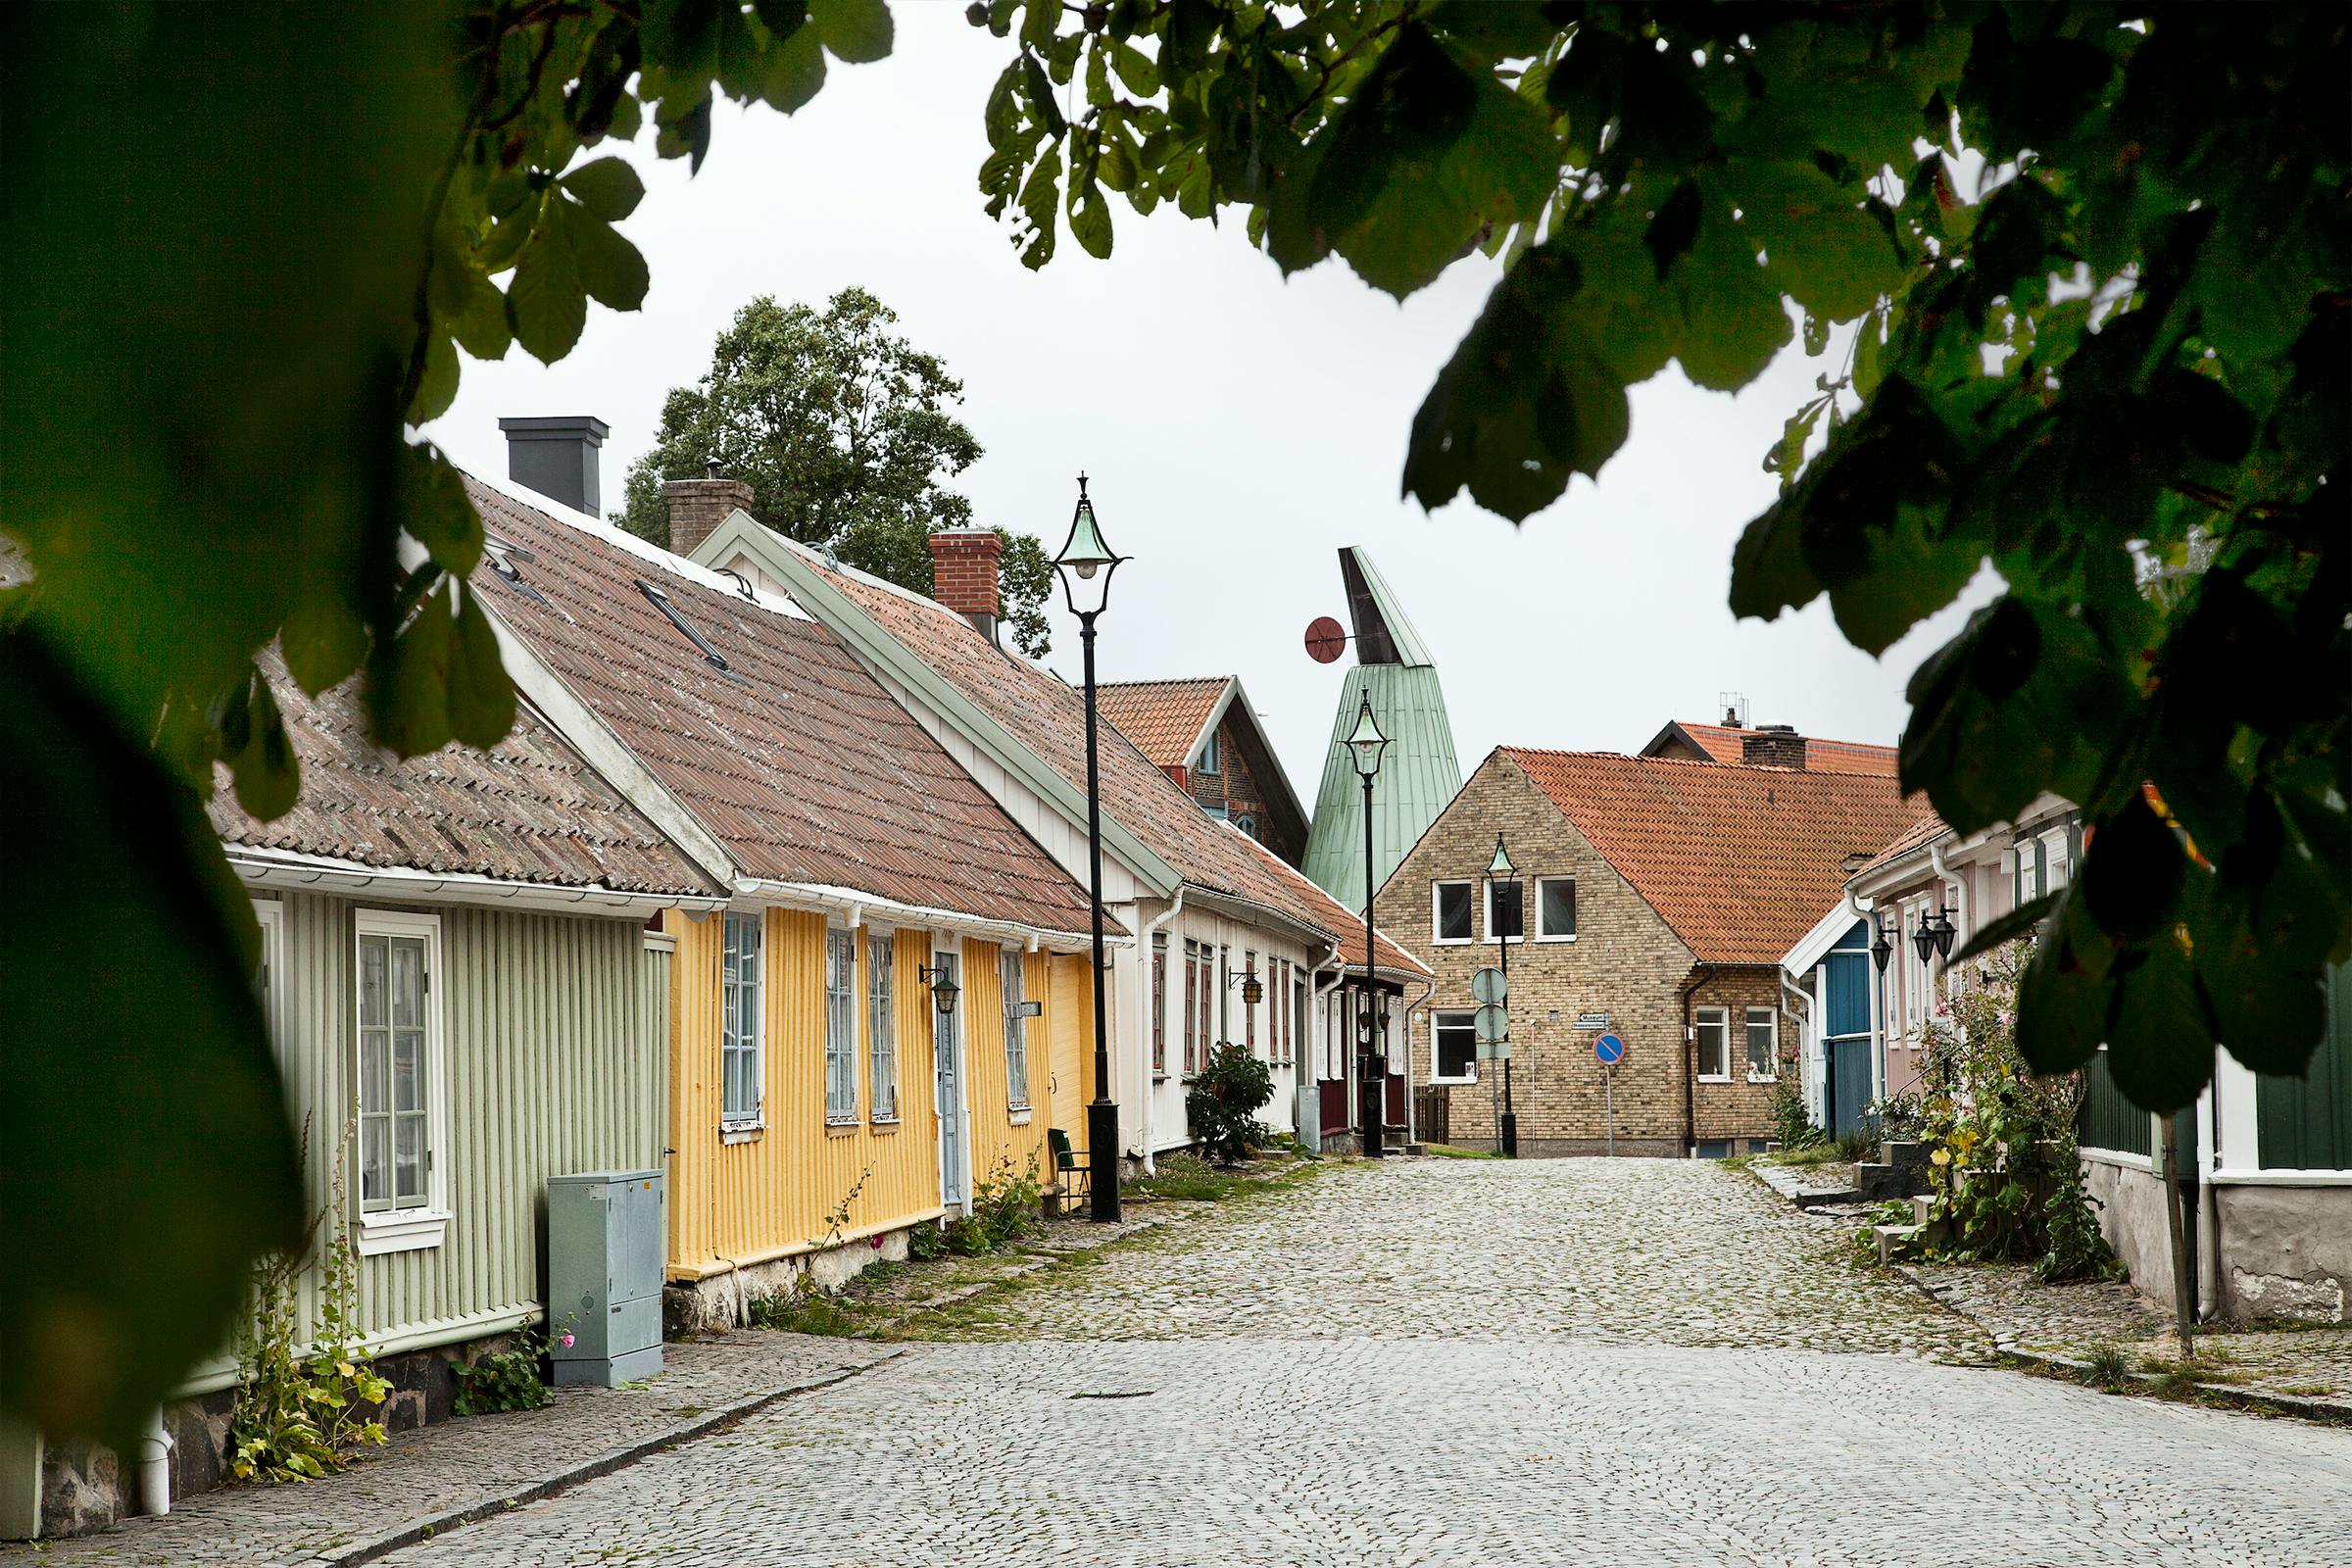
711	656
503	553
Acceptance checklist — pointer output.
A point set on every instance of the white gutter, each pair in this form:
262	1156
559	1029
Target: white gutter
853	905
1429	989
1143	945
1959	886
318	873
1867	910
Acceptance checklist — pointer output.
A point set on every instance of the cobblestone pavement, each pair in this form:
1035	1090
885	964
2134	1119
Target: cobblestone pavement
1623	1251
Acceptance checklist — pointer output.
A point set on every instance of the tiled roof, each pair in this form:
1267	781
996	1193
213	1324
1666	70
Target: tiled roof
1048	715
805	768
1740	861
1913	838
1162	718
1336	918
1727	745
527	809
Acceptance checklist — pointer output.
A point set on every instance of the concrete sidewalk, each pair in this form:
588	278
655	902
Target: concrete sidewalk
436	1478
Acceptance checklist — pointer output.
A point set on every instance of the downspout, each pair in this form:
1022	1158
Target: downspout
1151	1085
155	1467
1690	1062
2209	1219
1959	886
1874	986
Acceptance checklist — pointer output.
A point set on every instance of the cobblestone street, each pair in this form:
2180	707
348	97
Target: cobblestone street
1464	1362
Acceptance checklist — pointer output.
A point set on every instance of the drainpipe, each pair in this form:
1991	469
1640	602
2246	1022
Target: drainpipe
155	1467
1690	1062
1328	998
2209	1219
1143	945
1959	885
1874	986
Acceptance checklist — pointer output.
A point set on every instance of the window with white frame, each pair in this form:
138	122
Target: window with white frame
1248	1014
1713	1029
1506	911
1192	1006
841	1027
399	1067
1298	1020
881	1027
1914	969
1017	1033
742	1023
1159	1007
1555	908
1213	754
1224	1002
1452	1048
1763	1044
1449	911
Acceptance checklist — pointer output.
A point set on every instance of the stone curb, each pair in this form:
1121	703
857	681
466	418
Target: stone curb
604	1464
2015	1354
1803	1197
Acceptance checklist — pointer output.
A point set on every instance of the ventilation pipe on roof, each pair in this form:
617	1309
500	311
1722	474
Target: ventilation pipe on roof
557	457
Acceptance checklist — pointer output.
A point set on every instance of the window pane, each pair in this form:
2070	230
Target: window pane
371	980
408	982
1456	1046
408	1069
1558	916
1453	911
1759	1040
375	1160
1712	1044
1504	913
407	1157
375	1071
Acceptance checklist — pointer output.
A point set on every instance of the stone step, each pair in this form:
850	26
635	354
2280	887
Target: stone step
1890	1236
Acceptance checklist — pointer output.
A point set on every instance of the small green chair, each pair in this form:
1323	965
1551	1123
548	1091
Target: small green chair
1072	1177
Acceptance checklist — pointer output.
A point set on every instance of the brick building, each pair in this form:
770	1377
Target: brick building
1657	893
1206	736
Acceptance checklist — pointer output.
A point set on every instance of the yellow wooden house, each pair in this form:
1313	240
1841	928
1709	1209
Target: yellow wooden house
854	1048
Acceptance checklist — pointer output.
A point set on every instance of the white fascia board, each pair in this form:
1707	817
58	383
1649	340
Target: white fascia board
605	751
858	907
1815	943
319	873
790	563
1216	712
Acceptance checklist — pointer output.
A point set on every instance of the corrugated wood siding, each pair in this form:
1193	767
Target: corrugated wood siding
1001	1145
549	1067
2306	1123
799	1183
1069	1047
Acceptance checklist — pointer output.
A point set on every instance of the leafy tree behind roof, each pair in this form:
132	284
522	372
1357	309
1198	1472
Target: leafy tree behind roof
846	433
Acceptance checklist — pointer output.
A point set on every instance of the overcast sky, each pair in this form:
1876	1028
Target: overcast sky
1237	430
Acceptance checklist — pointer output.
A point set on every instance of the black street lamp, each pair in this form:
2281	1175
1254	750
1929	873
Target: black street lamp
1881	946
1922	937
1501	870
1086	565
1365	746
1945	931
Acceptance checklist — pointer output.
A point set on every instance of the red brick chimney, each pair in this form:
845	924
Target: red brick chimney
697	506
1773	746
964	576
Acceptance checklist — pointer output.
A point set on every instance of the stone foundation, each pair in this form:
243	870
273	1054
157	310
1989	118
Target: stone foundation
88	1488
1571	1148
2285	1252
724	1300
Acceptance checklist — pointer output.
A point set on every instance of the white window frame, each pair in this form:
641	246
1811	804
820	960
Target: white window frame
1446	1020
1437	930
1491	937
882	1027
741	1125
1721	1019
1014	986
1211	759
1160	1006
841	1027
269	986
1542	935
1918	983
424	1226
1772	1052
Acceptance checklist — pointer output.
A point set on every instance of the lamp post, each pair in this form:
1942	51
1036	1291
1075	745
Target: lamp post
1365	746
1086	565
1501	870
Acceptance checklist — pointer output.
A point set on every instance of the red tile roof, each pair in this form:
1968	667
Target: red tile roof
1162	718
1727	745
1740	861
806	769
530	808
1914	837
1336	918
1048	715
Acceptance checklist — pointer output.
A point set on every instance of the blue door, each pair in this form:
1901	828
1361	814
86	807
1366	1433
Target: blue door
1845	1031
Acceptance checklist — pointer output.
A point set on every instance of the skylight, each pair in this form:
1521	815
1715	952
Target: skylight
711	656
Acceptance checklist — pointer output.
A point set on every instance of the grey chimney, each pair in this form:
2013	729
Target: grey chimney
555	456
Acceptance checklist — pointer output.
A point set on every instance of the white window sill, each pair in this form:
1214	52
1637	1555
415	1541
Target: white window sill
1763	1077
1453	942
741	1132
1021	1115
1570	937
1451	1083
836	1125
407	1229
1714	1077
886	1124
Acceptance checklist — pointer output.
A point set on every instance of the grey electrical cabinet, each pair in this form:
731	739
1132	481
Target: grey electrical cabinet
604	1243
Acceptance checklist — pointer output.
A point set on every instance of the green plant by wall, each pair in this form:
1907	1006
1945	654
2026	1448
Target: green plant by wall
300	1411
508	1379
926	1242
1221	1107
1006	1208
803	1310
1790	1123
2004	1177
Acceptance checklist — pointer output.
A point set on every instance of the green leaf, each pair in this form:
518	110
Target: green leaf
1040	200
480	327
683	130
2159	1051
858	32
438	388
2132	871
411	681
481	696
143	1141
1090	219
608	187
608	266
1135	69
796	69
1733	320
438	514
2062	1001
2269	1011
264	766
323	641
1828	254
545	303
2026	920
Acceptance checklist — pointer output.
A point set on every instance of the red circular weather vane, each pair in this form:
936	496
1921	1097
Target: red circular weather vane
1326	639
